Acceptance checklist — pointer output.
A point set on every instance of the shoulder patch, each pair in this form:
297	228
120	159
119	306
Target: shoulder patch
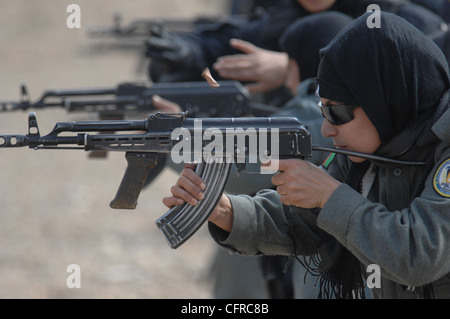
328	160
441	180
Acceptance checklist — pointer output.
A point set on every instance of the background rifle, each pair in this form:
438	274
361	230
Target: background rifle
155	136
231	99
142	28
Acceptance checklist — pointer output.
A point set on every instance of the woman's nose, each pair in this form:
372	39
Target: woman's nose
328	130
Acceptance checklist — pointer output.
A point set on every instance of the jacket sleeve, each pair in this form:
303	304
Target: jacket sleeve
249	213
411	245
263	225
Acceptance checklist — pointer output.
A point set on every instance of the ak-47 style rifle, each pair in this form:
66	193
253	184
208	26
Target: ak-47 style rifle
230	99
142	28
246	137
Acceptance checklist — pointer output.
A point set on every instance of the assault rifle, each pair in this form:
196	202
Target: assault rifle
230	99
142	28
163	133
215	143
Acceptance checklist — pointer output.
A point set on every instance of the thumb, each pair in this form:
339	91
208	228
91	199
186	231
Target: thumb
243	46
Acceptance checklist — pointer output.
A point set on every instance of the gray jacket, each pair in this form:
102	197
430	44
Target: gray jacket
408	240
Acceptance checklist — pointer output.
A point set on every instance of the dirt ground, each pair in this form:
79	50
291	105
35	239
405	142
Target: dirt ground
55	204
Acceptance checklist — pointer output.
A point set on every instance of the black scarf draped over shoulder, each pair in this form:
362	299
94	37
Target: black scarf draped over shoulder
399	77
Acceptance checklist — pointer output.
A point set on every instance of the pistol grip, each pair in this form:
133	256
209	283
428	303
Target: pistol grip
139	165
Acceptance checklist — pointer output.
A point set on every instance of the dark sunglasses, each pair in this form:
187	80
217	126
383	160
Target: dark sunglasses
338	114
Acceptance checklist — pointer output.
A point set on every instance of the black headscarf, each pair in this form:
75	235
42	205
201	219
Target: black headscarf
304	38
400	79
395	73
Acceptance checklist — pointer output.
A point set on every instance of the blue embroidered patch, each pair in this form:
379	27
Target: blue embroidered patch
441	180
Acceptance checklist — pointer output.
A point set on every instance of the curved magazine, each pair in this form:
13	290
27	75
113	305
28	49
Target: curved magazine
181	222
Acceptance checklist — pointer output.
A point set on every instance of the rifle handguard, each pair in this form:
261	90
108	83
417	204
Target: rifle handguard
183	221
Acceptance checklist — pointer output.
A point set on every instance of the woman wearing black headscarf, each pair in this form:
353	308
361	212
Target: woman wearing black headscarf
304	38
384	91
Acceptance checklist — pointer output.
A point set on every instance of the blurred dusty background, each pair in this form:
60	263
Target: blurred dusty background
55	204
